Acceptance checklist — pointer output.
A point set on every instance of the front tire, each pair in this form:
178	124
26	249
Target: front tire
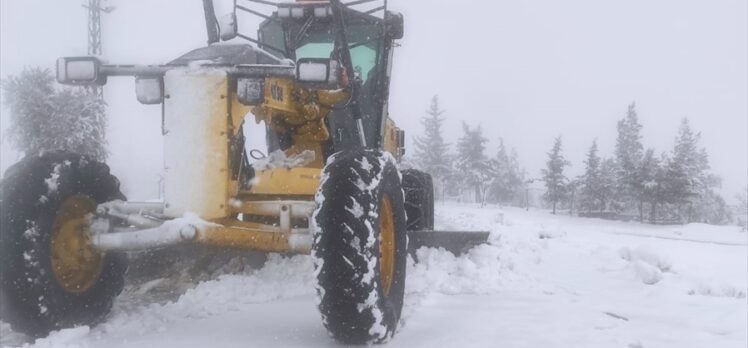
50	277
360	246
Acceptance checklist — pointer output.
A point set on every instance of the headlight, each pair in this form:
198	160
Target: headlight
79	71
149	90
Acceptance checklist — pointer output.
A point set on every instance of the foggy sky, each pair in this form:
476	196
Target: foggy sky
526	71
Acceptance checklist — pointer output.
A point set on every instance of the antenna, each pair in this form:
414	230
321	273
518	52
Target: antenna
94	33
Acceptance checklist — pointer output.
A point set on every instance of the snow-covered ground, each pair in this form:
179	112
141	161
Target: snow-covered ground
544	281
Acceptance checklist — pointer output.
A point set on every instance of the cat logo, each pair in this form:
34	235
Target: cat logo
276	92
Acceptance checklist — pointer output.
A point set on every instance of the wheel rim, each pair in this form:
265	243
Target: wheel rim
386	245
76	265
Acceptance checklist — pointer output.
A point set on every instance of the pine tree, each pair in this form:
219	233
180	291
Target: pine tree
742	210
45	118
474	169
553	175
431	151
687	176
608	194
689	164
503	186
629	155
652	175
591	184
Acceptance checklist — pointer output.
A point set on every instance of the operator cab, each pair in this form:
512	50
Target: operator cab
311	34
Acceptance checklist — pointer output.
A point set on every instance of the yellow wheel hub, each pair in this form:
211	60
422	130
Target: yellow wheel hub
386	244
76	265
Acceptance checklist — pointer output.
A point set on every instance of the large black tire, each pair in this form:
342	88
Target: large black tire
32	196
359	203
419	199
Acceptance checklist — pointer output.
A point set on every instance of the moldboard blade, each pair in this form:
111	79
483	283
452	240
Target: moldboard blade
456	242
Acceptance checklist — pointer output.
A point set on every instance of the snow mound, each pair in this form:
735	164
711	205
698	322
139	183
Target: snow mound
64	338
477	272
648	266
280	278
722	290
550	232
646	255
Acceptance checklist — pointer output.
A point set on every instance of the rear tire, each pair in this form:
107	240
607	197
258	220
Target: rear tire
360	246
419	199
50	278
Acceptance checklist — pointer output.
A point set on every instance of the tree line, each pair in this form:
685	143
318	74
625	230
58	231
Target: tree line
675	186
633	182
468	173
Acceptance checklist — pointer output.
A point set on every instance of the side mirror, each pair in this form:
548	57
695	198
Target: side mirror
149	90
395	25
317	71
80	71
225	13
227	25
250	91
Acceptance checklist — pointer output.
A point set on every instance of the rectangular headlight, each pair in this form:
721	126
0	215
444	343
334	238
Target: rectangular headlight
149	90
314	71
284	12
321	12
79	71
297	12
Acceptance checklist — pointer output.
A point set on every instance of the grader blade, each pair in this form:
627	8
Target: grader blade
456	242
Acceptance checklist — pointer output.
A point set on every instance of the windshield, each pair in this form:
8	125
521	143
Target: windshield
317	40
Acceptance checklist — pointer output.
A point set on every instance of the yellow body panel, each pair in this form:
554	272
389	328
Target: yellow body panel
248	235
391	141
281	181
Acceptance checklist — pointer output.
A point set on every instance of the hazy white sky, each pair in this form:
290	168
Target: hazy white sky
526	70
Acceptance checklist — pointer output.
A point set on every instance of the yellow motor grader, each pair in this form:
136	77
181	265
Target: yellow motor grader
317	78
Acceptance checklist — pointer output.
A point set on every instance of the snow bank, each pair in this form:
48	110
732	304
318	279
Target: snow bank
477	272
280	278
647	265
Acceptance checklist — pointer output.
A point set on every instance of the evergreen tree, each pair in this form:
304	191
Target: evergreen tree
742	211
431	151
591	182
475	170
629	155
508	176
688	166
516	180
685	184
608	194
45	118
652	175
553	175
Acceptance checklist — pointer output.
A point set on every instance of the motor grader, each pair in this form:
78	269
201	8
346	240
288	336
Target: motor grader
317	78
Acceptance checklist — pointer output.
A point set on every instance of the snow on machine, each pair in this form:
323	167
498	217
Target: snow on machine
318	79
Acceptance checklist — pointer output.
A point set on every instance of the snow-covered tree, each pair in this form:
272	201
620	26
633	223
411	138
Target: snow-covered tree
508	178
45	118
474	169
688	166
553	175
654	182
683	186
628	154
431	151
742	211
610	199
591	183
